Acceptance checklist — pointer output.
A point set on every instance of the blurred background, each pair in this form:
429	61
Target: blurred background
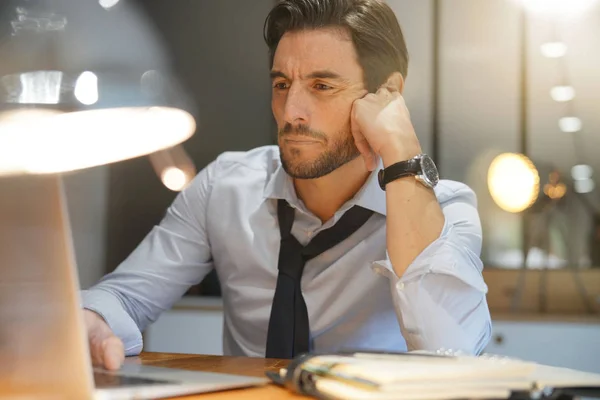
504	94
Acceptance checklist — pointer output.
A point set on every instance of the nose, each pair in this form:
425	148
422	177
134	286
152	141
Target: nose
297	106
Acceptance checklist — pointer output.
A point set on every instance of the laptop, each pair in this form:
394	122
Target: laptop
43	343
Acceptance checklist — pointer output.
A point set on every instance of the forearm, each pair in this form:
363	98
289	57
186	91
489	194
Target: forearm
174	256
440	296
139	290
414	216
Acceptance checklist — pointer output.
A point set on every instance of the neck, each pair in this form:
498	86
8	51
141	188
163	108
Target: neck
324	196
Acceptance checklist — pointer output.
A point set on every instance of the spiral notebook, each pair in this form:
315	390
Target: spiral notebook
429	376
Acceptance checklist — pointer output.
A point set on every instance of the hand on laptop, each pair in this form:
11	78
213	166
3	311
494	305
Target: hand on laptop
106	349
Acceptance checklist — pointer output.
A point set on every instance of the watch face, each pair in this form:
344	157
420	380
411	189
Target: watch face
429	171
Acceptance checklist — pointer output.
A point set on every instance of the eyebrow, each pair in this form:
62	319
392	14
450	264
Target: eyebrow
277	74
323	74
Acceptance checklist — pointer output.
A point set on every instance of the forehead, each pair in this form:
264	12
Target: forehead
305	51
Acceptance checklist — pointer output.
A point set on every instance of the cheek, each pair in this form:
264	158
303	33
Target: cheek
336	117
277	107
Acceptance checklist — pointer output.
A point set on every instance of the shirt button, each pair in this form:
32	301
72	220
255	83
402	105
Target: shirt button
400	286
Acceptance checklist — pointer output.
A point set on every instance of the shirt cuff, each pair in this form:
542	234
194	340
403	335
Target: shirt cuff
111	310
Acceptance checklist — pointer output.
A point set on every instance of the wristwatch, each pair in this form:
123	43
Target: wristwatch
421	167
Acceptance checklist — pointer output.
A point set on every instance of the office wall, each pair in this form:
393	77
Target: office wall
218	53
417	25
86	193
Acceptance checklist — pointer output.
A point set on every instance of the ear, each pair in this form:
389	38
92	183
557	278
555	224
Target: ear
395	83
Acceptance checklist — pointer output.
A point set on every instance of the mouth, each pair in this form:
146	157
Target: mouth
301	141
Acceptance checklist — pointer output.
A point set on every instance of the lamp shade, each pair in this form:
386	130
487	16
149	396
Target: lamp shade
83	85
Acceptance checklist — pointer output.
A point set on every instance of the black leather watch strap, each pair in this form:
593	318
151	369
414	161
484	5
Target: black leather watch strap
399	170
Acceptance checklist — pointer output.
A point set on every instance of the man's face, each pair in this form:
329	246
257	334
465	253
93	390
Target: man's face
316	78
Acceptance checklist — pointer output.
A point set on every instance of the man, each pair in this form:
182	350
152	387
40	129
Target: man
311	253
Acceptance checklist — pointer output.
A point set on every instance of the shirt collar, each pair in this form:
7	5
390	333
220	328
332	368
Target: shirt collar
370	196
279	184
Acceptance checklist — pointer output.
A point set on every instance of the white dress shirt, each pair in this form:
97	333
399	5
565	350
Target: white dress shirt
227	219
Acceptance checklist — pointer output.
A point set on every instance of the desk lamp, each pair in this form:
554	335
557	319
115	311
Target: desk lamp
82	83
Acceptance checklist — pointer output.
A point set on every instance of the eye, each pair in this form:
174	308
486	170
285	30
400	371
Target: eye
322	87
280	85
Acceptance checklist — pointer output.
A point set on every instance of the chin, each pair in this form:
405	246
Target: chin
293	158
311	161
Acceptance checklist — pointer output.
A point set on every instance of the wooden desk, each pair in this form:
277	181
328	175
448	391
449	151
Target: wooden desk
230	365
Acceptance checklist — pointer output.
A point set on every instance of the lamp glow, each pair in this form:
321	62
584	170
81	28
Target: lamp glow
585	186
570	124
86	88
562	93
77	140
581	172
174	167
174	179
107	4
513	182
558	8
555	189
553	49
33	87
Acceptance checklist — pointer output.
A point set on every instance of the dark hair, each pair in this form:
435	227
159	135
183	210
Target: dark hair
372	24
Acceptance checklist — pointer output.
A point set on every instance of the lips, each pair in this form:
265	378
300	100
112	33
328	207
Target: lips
300	140
294	141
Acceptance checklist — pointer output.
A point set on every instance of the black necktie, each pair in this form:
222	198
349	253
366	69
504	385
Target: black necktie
289	332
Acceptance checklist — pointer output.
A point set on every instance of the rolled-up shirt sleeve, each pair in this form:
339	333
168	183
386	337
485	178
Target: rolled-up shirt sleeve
173	256
441	298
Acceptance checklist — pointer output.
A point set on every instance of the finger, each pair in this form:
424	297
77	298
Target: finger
97	353
371	97
97	332
362	144
384	93
113	353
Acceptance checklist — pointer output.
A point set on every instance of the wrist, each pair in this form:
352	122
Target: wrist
397	151
92	318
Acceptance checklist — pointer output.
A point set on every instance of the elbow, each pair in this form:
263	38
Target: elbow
467	330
